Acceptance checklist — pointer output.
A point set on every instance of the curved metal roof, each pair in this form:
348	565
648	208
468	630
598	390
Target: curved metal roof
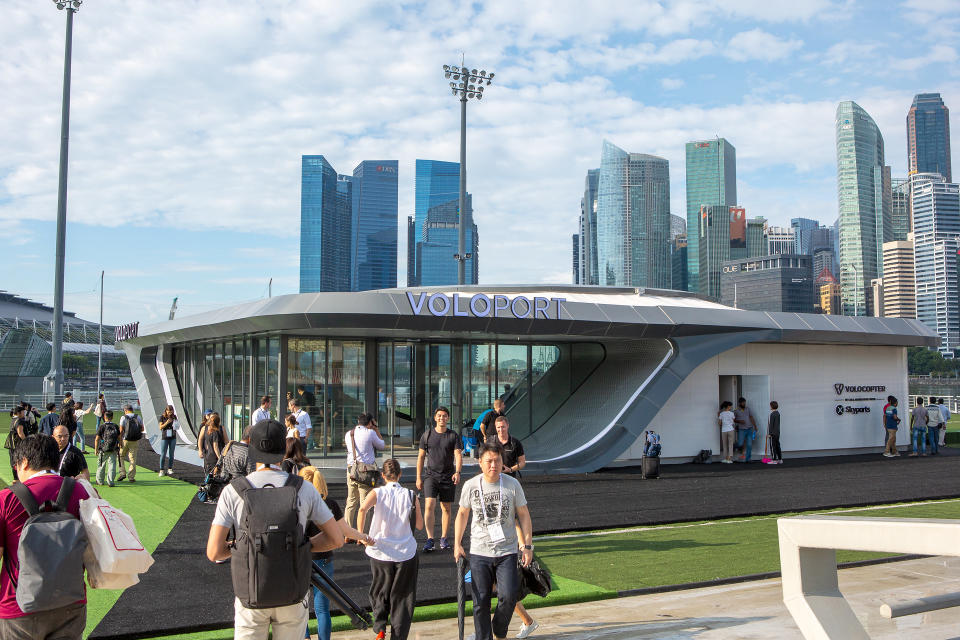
584	312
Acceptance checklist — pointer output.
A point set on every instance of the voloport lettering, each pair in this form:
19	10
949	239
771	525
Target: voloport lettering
126	331
481	305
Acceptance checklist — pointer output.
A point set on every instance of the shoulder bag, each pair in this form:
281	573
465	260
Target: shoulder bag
361	472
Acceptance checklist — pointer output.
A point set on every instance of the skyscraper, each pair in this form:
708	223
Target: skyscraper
781	240
438	190
865	203
588	229
325	227
899	286
713	244
711	180
678	261
928	136
756	237
899	209
936	225
633	219
576	258
374	226
803	235
411	252
678	226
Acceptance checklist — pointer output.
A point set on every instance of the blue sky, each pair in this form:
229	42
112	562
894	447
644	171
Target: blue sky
189	120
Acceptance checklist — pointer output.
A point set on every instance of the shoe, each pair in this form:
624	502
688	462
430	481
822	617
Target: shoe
913	455
725	461
132	480
472	636
111	485
121	478
169	472
224	561
887	455
381	636
161	473
444	544
526	630
428	545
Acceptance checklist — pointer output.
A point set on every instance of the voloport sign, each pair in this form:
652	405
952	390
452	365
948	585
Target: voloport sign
126	331
481	305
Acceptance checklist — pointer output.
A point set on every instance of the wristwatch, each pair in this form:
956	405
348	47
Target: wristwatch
527	547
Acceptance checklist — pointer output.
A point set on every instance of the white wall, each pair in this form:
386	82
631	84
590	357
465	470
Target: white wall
801	379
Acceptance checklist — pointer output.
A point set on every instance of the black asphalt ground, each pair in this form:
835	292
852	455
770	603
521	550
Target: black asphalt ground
184	592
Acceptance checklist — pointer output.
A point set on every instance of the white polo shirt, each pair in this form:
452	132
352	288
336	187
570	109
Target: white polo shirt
303	422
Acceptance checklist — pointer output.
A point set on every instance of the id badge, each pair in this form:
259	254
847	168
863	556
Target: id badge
495	531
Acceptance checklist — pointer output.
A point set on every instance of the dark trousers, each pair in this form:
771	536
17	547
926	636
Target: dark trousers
775	451
393	592
484	572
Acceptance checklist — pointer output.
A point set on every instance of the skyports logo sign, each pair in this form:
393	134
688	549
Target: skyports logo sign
841	388
841	410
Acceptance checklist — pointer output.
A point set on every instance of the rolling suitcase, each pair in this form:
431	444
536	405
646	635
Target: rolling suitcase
650	467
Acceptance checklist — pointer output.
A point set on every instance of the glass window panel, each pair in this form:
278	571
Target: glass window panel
513	371
483	380
550	373
439	389
237	397
229	423
306	376
273	371
345	389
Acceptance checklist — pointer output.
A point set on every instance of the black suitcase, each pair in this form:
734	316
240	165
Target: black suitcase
649	467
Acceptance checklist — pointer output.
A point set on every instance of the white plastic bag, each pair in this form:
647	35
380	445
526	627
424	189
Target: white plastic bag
97	579
113	538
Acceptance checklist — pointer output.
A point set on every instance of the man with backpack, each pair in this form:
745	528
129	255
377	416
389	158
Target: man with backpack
41	585
131	426
270	556
439	463
107	446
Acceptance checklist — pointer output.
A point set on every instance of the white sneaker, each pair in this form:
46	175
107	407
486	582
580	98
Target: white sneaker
169	472
526	630
161	473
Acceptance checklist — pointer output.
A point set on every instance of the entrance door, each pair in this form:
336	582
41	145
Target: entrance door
397	411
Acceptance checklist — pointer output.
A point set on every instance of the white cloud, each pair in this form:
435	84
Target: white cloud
671	83
939	54
758	44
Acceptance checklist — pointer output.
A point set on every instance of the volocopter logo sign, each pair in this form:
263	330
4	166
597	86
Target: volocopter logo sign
840	388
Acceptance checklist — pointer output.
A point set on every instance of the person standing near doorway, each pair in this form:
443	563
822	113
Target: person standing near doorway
362	442
263	411
304	426
746	429
773	430
945	414
891	423
728	432
439	463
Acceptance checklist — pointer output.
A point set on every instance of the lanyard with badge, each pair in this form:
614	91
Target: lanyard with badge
493	527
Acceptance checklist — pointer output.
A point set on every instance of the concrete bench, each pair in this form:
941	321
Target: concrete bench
808	565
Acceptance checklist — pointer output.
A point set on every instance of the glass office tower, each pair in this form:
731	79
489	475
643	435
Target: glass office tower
900	209
865	200
374	245
438	190
325	227
936	225
928	136
633	219
711	180
802	235
588	229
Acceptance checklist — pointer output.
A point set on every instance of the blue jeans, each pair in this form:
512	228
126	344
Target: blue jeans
484	572
167	446
78	436
919	436
933	435
745	438
321	604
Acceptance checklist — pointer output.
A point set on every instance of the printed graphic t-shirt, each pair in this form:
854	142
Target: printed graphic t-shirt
890	417
485	511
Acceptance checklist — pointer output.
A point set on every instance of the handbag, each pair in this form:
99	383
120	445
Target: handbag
361	472
535	579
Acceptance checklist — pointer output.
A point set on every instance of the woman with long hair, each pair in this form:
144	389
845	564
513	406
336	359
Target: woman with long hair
211	442
68	419
295	457
168	440
78	440
393	556
321	605
18	423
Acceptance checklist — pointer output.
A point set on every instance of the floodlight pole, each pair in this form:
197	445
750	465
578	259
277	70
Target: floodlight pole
53	382
462	87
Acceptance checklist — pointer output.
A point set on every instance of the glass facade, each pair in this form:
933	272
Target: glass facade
928	136
336	379
588	229
436	209
374	243
714	246
228	376
900	209
633	219
711	180
325	227
866	204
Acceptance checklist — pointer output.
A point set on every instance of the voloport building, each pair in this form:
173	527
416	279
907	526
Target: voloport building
584	371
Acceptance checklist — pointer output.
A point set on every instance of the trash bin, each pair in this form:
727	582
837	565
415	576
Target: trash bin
650	467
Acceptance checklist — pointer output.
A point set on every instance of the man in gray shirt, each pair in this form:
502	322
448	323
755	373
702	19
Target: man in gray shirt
498	504
918	428
746	426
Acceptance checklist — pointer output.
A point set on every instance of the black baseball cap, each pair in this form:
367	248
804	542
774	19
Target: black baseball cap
268	442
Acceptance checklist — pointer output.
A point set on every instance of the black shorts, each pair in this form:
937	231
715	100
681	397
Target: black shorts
442	488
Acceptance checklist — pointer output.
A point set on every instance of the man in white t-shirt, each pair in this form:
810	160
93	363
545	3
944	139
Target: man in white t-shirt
497	503
367	437
263	411
267	445
303	422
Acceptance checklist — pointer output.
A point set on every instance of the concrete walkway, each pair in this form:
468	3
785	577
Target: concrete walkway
751	610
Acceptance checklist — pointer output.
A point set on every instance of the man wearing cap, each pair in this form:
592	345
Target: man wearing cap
266	449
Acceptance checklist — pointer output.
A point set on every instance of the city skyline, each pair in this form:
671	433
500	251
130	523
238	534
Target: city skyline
189	149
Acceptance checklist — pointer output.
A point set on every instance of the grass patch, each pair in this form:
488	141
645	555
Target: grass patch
154	503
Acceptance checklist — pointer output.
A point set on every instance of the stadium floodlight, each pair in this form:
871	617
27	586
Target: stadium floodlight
468	83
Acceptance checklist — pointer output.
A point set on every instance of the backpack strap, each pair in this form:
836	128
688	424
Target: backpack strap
65	493
293	480
26	498
241	485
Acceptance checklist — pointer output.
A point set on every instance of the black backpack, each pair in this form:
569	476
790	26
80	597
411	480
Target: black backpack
134	428
110	438
271	561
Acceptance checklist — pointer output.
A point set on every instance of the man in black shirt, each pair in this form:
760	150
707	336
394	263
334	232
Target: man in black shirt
71	464
513	456
487	431
438	474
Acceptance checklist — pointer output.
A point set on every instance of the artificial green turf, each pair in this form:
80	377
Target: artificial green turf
154	503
